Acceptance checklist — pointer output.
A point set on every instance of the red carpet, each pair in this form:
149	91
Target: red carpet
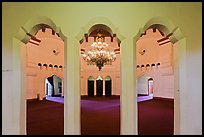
100	116
156	117
45	118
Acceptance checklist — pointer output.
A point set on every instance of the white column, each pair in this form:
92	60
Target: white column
23	102
62	87
176	91
104	87
128	98
95	84
72	87
180	115
14	92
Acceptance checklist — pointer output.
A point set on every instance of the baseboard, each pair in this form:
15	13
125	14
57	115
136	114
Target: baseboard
162	98
142	95
85	96
33	99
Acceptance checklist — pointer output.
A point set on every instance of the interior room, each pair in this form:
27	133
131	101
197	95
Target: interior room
102	68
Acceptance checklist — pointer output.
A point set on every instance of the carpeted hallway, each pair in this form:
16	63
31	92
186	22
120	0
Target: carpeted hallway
100	116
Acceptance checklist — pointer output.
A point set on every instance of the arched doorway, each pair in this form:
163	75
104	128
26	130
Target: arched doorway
150	86
47	89
99	86
108	86
90	85
53	86
170	35
154	48
143	85
27	35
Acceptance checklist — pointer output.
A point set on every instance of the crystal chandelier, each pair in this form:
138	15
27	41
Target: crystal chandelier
99	53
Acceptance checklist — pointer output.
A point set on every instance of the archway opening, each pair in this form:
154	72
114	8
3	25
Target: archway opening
90	86
154	57
108	86
150	86
53	86
99	86
45	53
100	81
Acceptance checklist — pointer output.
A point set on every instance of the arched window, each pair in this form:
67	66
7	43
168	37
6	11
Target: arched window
153	65
108	86
147	65
90	82
60	67
45	65
99	86
40	65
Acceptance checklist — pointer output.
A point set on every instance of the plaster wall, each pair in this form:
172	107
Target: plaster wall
112	70
43	54
126	21
162	73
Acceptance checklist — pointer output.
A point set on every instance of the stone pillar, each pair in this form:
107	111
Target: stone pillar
95	84
72	87
104	80
128	100
180	88
14	91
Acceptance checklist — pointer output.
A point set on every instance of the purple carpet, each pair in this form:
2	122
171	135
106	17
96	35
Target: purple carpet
100	116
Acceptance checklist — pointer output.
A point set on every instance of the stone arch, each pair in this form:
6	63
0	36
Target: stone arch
23	35
31	27
100	20
176	37
105	27
163	24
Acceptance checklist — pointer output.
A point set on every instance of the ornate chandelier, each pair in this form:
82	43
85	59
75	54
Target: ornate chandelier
99	53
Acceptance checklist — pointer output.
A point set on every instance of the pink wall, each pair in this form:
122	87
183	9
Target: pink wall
154	53
162	74
43	53
108	70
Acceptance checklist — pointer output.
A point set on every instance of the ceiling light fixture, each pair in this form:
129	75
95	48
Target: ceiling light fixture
99	53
